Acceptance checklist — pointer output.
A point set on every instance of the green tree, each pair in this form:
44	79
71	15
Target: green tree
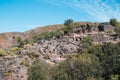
20	42
87	42
69	25
118	24
38	71
113	21
114	77
2	52
48	35
109	58
79	67
117	30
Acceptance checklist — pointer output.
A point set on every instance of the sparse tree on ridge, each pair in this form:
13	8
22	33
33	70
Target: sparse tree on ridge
113	21
69	25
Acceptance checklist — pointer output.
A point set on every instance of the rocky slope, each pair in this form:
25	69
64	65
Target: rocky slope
7	39
14	61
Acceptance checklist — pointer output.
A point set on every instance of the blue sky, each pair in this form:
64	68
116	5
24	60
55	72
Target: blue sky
22	15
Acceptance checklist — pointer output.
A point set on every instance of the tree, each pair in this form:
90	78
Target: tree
118	24
68	22
20	42
109	58
117	30
2	52
48	35
38	71
79	67
69	25
87	42
113	21
114	77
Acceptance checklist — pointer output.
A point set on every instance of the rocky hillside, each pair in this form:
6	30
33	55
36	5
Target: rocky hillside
16	60
7	39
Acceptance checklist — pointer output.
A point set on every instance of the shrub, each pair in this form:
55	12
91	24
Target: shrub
2	52
39	71
48	35
79	67
109	58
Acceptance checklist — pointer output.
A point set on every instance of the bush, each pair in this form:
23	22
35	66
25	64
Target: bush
48	35
39	71
113	21
109	58
32	54
114	77
87	42
7	74
68	25
2	52
80	67
13	49
117	30
101	62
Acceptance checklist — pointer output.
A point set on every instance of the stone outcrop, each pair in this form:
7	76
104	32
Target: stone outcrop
52	51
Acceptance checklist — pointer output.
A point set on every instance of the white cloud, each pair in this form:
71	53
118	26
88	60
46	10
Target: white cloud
100	10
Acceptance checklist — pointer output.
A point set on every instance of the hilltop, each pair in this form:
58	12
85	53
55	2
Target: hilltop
71	43
7	39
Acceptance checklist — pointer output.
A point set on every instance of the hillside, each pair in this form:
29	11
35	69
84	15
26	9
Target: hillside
7	39
61	47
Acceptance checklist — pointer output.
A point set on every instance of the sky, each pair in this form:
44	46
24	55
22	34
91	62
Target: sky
23	15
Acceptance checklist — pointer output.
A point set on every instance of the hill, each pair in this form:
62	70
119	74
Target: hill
7	39
79	49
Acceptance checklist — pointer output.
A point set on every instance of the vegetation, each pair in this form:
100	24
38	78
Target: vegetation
21	43
109	58
69	26
101	62
7	74
87	42
115	77
32	54
2	52
39	71
117	30
114	22
48	35
79	67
